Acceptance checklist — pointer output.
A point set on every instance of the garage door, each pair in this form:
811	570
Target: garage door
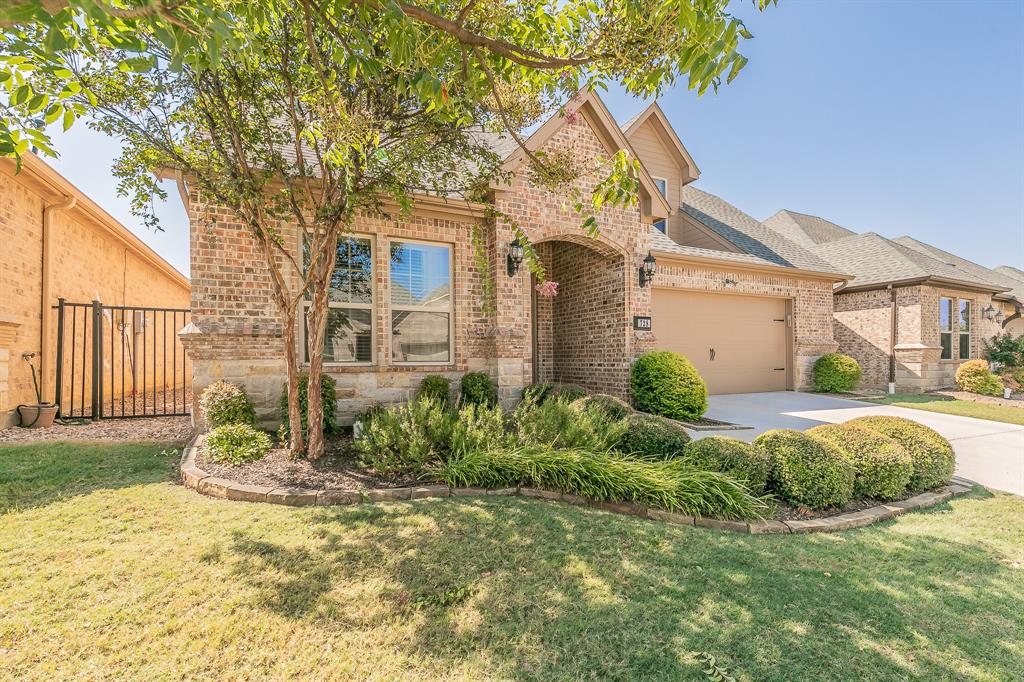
738	343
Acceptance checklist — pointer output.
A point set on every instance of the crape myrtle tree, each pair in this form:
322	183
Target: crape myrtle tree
315	112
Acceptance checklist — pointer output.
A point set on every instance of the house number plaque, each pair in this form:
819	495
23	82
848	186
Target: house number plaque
642	323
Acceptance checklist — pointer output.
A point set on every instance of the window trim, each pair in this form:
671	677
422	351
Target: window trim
960	332
656	178
953	311
450	309
664	221
371	306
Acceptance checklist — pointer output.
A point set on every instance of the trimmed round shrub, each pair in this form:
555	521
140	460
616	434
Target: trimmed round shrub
653	437
806	471
975	376
736	458
608	405
328	400
932	455
435	387
883	467
567	392
478	389
223	403
667	384
836	373
236	444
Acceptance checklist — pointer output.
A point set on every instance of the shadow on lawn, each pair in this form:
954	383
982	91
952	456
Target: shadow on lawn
554	592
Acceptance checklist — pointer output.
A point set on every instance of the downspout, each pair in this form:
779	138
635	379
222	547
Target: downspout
44	326
892	339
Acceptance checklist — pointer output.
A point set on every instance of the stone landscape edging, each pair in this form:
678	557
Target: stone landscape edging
213	486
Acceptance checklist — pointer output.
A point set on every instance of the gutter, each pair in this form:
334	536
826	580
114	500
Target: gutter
720	263
45	287
927	279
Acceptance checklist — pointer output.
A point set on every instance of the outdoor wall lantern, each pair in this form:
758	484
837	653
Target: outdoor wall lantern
988	312
647	270
999	316
515	257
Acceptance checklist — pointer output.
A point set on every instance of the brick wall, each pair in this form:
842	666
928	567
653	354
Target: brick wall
88	262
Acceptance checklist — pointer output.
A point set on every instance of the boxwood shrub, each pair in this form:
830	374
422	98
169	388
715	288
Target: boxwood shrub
435	387
477	388
932	455
806	471
836	373
975	376
236	444
667	384
883	467
652	437
608	405
328	398
736	458
223	403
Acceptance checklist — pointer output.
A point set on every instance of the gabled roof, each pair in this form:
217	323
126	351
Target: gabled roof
754	240
589	104
1010	271
963	265
877	262
657	117
804	229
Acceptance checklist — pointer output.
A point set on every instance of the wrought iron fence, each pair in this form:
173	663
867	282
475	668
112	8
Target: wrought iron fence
121	361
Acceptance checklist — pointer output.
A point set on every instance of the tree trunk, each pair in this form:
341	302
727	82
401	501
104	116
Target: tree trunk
316	328
296	442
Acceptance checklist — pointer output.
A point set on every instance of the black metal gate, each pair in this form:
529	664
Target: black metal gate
121	361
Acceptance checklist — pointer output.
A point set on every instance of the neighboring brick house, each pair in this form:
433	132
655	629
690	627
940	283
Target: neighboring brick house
410	300
57	243
940	306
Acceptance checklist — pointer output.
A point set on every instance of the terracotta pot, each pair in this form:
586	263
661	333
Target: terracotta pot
45	412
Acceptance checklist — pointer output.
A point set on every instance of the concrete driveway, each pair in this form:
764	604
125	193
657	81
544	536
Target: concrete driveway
990	453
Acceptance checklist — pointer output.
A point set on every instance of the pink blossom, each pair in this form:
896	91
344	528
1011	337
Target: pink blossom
570	117
548	289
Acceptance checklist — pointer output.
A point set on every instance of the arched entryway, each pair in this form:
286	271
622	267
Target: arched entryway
580	335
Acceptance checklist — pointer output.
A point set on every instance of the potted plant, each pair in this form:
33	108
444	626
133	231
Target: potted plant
40	415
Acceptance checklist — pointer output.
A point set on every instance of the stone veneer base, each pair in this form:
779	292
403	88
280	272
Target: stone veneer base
212	486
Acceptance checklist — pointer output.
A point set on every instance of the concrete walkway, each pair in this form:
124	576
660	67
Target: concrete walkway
990	453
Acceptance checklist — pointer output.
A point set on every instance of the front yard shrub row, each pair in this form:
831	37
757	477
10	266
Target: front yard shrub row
882	467
974	376
236	444
562	424
652	437
670	485
931	456
224	403
806	471
836	373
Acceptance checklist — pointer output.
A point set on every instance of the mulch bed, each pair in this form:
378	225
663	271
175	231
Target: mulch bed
155	429
1016	401
337	469
785	512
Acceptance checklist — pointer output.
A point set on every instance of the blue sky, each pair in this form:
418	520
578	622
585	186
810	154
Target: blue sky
895	117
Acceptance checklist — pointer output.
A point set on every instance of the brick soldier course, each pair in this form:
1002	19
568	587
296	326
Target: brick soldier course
584	335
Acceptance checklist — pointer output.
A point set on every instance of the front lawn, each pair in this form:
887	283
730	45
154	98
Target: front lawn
947	405
109	569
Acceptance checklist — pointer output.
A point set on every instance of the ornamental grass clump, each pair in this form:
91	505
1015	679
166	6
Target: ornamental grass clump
608	405
836	373
562	424
974	376
224	403
736	458
667	384
236	444
649	436
882	466
604	476
931	455
805	471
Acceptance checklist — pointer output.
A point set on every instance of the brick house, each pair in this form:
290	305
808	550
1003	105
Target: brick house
753	310
58	243
911	313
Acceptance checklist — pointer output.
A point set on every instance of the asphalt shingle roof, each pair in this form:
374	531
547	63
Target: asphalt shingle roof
807	230
1010	271
963	265
754	239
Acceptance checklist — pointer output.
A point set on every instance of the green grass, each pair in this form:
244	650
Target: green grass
947	405
111	570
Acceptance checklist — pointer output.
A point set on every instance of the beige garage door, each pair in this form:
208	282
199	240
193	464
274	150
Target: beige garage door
738	343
